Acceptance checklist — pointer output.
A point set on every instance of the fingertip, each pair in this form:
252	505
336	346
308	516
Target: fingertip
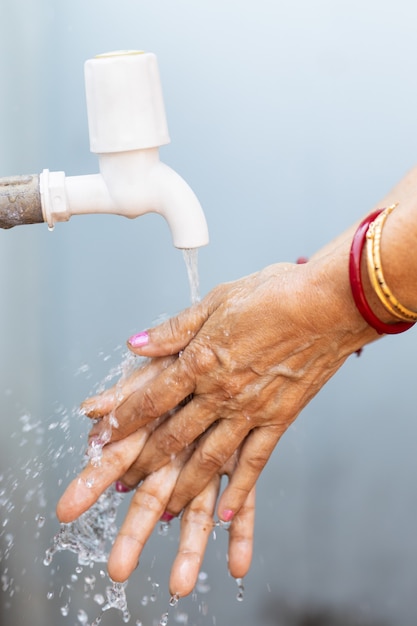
75	500
239	568
226	515
64	510
184	574
123	559
62	513
138	341
96	406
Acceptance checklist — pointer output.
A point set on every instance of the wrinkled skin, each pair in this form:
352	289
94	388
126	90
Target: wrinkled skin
148	503
231	374
252	354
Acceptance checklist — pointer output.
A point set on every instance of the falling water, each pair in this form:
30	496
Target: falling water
191	263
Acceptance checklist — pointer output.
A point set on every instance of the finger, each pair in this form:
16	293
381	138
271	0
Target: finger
255	452
176	433
196	526
210	455
175	334
84	490
241	538
146	508
101	404
160	395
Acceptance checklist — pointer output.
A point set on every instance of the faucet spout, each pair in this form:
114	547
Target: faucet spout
129	184
180	207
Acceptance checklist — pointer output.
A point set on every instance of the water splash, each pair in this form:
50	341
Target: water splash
91	535
116	599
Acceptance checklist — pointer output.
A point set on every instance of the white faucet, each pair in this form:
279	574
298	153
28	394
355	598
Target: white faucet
127	124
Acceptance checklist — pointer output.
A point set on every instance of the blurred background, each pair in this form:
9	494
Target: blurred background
290	119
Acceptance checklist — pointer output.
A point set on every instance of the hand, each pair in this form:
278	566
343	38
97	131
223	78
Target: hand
148	505
252	354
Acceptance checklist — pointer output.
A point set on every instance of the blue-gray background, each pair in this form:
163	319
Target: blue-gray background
290	119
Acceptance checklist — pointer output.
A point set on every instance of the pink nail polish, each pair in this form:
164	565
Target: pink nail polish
227	515
121	488
139	340
167	517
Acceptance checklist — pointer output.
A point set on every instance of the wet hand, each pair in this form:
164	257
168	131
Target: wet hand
252	354
148	504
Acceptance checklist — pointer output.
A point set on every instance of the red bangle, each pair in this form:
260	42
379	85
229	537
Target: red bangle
355	277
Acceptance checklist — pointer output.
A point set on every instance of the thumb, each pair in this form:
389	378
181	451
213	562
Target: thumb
173	335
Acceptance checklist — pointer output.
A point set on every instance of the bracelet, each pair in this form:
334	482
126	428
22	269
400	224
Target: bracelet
376	276
355	277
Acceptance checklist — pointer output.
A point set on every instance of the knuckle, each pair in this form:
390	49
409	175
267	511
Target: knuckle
256	462
145	499
147	407
174	326
201	358
210	460
166	443
198	516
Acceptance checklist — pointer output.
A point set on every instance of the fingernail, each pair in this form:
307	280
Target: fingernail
227	515
167	517
121	488
139	340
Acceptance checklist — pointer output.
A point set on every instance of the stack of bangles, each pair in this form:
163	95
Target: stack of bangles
369	233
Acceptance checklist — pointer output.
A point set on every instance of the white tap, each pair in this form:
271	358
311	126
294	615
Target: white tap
127	125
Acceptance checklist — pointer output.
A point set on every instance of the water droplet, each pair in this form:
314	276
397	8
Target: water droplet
50	595
221	524
174	600
144	601
181	618
164	620
82	616
40	520
202	585
204	609
48	557
64	610
164	529
99	599
138	622
89	583
51	227
241	589
9	539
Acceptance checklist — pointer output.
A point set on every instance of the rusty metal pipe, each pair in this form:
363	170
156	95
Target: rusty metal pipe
20	201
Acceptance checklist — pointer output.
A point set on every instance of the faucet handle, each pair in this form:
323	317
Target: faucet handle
125	106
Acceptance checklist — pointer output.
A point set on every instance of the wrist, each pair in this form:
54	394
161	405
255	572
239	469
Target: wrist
329	277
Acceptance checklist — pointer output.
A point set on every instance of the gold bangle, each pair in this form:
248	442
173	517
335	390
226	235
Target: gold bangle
376	276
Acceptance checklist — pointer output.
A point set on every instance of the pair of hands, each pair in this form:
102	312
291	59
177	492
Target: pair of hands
251	355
